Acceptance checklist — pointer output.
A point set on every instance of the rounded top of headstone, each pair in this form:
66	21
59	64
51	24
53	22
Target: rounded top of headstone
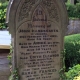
22	9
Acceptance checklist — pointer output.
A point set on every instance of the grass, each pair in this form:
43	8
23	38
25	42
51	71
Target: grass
75	37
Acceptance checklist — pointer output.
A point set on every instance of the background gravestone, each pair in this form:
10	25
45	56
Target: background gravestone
37	28
72	1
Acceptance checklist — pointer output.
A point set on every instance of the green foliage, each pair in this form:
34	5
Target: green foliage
78	10
78	0
14	75
68	1
73	10
10	55
72	50
62	70
3	9
74	71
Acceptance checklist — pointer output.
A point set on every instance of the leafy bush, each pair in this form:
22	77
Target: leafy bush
73	10
73	72
3	9
72	50
78	10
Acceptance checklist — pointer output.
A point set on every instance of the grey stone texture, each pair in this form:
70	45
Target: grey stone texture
37	29
73	27
72	1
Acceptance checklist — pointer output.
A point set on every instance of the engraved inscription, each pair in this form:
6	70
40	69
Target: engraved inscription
25	9
52	9
28	4
39	48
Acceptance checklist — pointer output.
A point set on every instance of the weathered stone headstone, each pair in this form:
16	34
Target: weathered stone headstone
72	1
37	28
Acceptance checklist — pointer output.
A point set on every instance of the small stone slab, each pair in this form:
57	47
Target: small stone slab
5	40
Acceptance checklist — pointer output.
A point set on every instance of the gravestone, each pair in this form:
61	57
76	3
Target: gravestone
72	1
38	28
